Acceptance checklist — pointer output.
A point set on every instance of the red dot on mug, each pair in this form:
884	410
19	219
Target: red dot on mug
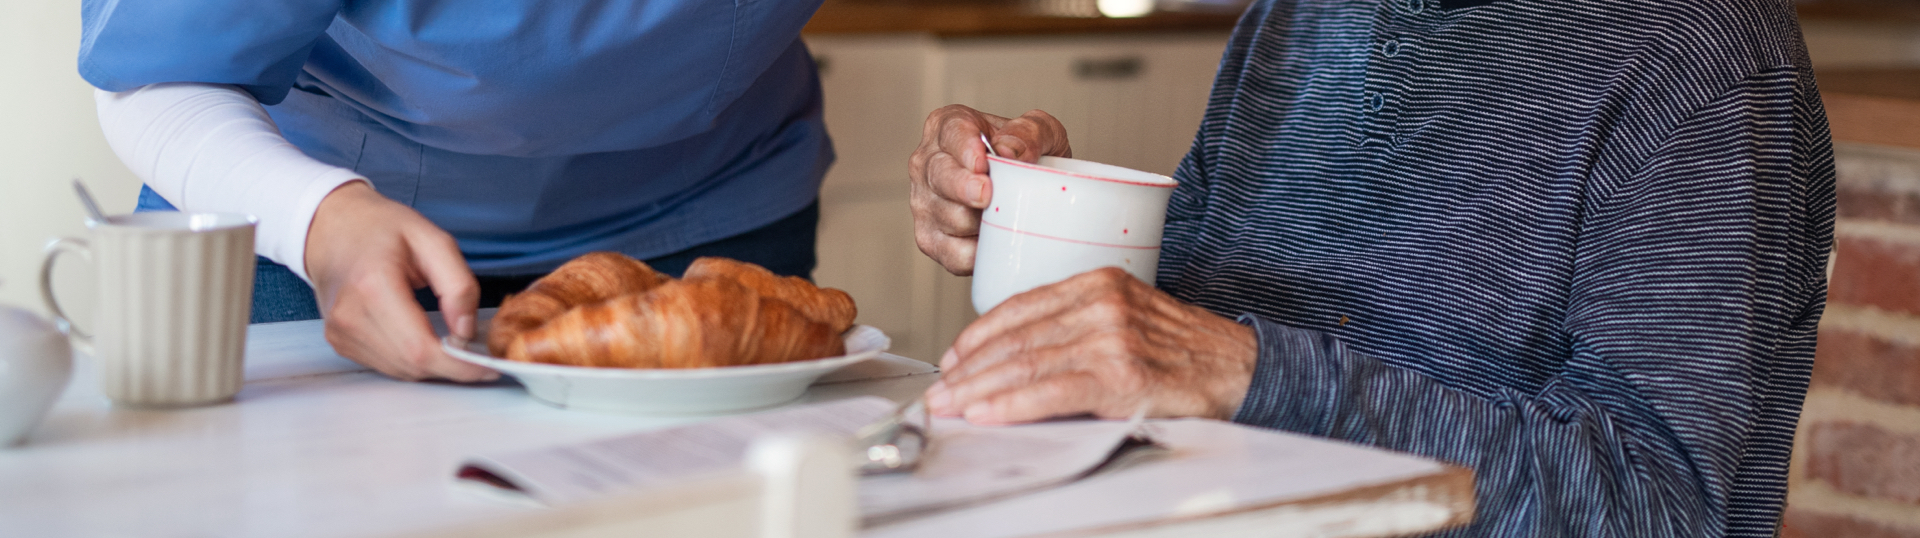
1063	188
1123	230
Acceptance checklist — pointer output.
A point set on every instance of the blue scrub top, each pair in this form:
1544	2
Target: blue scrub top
532	131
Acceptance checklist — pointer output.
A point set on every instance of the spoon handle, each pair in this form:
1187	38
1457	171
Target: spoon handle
94	216
989	143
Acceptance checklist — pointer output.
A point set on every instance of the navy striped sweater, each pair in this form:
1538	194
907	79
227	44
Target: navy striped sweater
1578	247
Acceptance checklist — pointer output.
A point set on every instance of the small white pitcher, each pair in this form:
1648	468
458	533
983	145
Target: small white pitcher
35	362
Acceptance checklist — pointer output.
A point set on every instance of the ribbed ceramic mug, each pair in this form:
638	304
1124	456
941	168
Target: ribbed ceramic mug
1062	217
171	305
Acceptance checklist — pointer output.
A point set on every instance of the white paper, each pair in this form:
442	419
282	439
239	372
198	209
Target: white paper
571	473
1204	468
969	464
964	464
884	366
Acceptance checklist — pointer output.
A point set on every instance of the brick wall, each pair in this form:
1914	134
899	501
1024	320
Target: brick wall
1856	459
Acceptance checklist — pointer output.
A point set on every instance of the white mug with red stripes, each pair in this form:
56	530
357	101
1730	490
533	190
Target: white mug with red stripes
1062	217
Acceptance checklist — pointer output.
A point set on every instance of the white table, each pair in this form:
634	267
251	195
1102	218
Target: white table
317	446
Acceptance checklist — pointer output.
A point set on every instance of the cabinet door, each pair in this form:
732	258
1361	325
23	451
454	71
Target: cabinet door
876	92
876	88
1127	100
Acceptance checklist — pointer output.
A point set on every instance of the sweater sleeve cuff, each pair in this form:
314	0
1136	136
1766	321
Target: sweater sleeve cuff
284	239
1294	381
209	147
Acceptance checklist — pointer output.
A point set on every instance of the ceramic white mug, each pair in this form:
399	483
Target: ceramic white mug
1062	217
171	306
35	362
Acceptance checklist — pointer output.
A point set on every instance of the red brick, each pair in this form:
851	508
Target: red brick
1875	272
1804	524
1873	204
1864	460
1868	365
1872	119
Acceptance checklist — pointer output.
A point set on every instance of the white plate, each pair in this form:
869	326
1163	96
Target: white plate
671	391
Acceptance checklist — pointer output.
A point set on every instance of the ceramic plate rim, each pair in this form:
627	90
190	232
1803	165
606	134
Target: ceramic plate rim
454	347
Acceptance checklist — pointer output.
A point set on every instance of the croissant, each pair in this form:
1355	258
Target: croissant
690	323
826	305
588	279
608	310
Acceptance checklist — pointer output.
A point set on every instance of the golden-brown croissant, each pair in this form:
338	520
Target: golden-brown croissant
588	279
608	310
826	305
690	323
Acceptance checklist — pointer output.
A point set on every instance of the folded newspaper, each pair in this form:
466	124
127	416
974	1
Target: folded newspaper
965	464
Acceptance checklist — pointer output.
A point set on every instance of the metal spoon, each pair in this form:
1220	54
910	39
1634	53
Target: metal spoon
94	216
989	143
896	443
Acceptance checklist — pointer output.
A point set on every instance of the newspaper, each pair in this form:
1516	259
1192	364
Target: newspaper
571	473
965	464
969	464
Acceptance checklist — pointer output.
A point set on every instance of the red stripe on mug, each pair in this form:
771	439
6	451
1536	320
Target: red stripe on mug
1063	239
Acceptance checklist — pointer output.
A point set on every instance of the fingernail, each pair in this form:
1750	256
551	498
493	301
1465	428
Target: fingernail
980	195
977	411
948	359
938	398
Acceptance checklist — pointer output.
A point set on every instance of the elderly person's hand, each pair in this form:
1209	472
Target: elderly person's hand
1100	343
949	174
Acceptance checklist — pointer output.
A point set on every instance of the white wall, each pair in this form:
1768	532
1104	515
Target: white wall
48	135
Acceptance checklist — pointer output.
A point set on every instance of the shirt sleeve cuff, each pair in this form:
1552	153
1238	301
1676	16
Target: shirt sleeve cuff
1294	378
285	239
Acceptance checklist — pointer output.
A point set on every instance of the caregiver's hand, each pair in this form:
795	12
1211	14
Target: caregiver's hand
366	255
948	173
1099	343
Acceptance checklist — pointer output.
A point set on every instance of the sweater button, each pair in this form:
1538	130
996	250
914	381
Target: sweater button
1391	48
1411	7
1373	101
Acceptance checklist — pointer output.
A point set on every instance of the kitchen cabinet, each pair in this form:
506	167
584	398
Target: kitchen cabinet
1130	99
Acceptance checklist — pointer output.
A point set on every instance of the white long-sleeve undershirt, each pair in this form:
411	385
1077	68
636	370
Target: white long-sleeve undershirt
212	148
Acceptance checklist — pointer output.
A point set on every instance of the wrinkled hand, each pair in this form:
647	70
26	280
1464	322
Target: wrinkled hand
1100	343
366	255
948	173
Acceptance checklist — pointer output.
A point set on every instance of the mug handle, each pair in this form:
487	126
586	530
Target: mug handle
54	249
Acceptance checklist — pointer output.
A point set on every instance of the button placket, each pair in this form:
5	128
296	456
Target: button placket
1375	98
1389	51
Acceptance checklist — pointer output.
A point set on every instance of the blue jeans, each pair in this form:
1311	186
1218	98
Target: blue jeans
784	247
